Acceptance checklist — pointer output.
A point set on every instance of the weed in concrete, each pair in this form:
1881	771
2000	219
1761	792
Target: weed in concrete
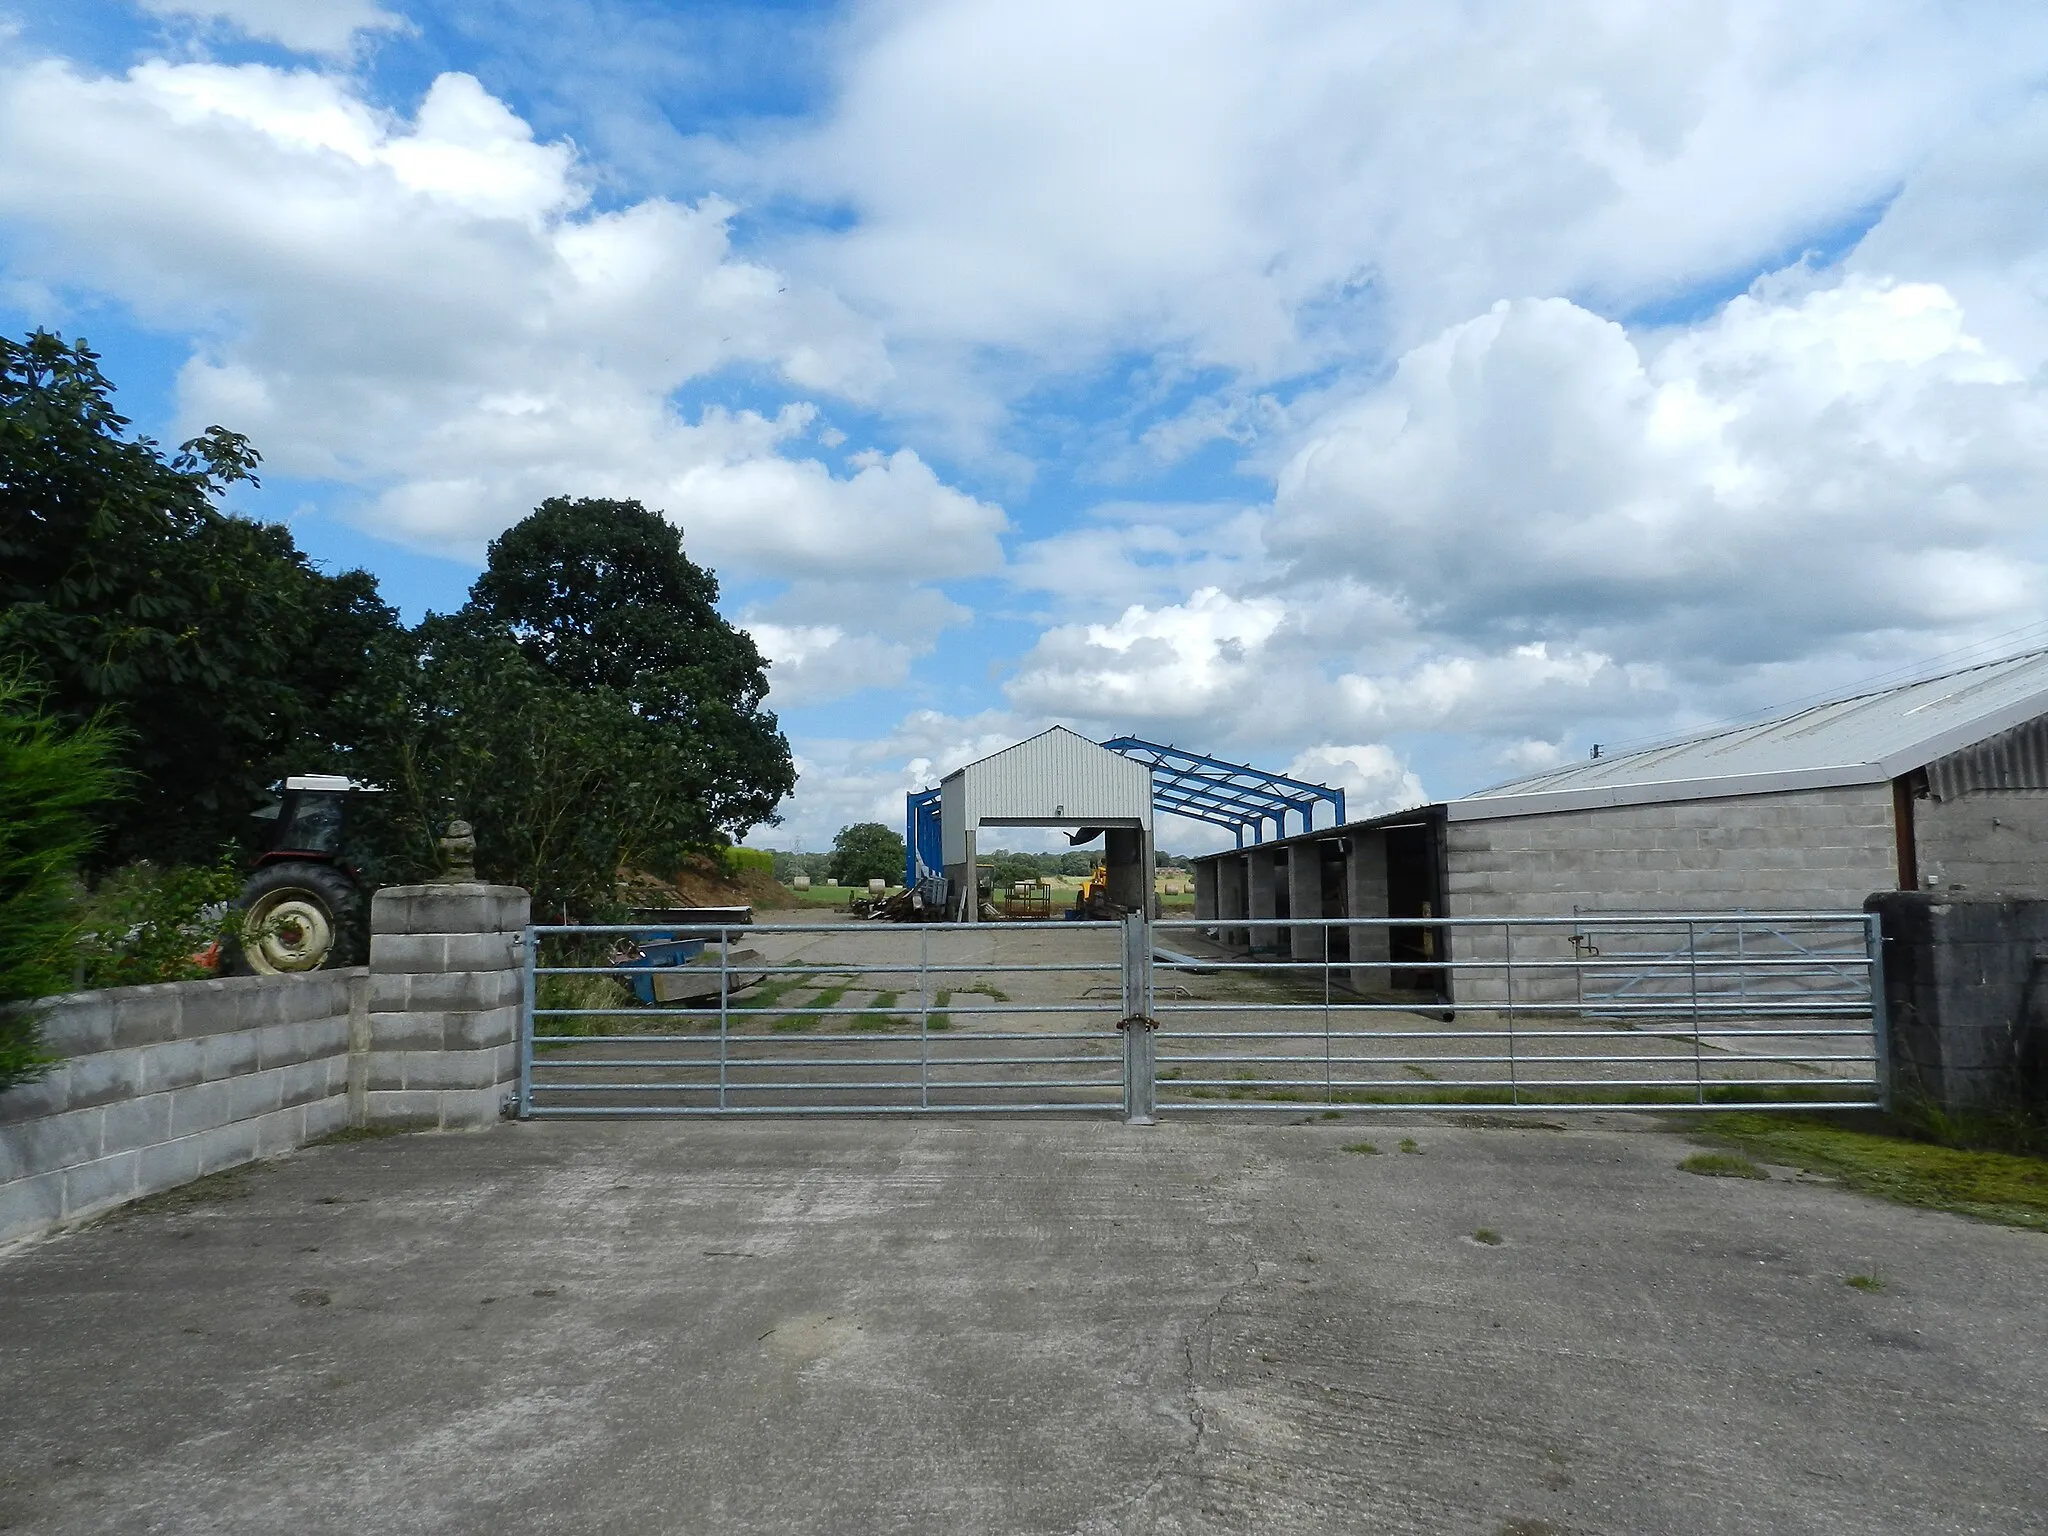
874	1022
1408	1145
1333	1114
214	1189
1362	1146
2004	1187
1723	1165
988	989
352	1133
794	1023
1866	1283
1487	1236
1422	1072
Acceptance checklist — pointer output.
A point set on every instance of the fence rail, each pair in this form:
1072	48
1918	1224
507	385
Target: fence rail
735	1020
1750	1018
1638	1011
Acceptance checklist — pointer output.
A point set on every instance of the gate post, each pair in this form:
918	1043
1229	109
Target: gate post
1137	1024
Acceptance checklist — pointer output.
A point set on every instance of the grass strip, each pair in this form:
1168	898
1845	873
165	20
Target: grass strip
2004	1187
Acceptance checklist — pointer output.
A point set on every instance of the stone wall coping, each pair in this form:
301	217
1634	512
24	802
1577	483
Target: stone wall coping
75	1024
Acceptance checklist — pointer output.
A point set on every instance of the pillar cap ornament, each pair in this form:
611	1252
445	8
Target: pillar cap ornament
458	855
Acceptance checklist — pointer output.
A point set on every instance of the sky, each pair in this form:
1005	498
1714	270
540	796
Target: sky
1404	397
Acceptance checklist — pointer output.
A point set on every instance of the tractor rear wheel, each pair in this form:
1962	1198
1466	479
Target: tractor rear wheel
299	916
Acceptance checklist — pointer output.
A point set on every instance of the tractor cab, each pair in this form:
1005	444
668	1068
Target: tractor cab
307	816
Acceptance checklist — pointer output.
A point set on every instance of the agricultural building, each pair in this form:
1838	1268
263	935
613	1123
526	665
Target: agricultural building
1940	784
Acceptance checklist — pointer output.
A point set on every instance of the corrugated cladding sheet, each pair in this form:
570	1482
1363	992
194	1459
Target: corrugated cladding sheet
1849	734
2014	759
1057	775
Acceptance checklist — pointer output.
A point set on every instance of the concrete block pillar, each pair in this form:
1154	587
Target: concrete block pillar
1305	899
1231	900
1262	881
1966	991
1365	895
446	983
1205	890
1126	871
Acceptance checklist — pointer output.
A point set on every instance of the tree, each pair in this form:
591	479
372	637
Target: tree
600	595
224	655
564	786
866	851
53	780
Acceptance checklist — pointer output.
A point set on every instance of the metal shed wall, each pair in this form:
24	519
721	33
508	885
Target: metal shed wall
1056	778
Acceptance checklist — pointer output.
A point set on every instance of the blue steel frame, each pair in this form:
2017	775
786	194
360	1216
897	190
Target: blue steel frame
1234	795
924	849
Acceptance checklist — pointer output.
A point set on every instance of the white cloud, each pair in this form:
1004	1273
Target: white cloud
811	663
1173	662
429	310
1372	776
305	26
1267	188
1542	525
1852	462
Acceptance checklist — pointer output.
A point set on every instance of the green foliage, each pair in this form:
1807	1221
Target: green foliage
1008	869
53	780
145	922
738	860
211	639
866	851
600	596
564	786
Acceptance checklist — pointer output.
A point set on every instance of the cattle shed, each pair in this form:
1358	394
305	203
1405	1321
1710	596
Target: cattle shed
1940	784
1055	779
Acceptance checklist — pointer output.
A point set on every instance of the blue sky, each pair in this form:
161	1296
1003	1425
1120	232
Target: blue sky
1405	397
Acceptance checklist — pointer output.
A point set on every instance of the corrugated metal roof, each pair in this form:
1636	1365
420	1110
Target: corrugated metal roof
1863	740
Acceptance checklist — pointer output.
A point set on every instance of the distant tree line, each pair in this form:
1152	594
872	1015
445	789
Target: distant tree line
1006	867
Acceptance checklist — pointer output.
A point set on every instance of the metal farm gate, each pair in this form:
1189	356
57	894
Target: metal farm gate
1183	1015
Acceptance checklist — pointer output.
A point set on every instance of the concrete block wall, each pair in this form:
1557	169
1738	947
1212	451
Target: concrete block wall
1262	897
1305	899
1810	850
1966	997
1986	842
163	1084
1365	895
1233	898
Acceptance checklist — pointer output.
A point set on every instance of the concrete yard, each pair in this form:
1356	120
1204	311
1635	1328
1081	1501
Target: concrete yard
1053	1326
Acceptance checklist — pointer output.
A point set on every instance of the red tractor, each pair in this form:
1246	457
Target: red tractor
304	908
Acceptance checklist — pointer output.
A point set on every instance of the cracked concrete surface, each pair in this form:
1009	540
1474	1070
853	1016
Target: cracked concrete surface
1059	1326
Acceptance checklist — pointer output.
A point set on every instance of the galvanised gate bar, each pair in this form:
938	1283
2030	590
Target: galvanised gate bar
1137	1018
1616	1011
825	1018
